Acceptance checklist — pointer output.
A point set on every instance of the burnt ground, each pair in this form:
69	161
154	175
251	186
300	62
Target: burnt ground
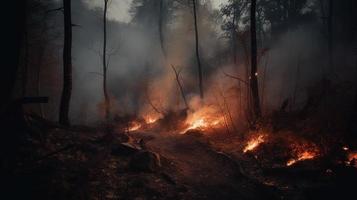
86	163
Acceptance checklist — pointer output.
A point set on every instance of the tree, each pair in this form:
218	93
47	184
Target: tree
161	24
67	64
330	34
105	63
284	14
253	70
200	84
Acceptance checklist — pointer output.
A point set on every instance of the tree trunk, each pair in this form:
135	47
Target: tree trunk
200	84
67	64
253	70
105	65
161	24
330	36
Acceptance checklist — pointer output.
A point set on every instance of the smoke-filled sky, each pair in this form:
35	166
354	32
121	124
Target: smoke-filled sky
119	9
140	71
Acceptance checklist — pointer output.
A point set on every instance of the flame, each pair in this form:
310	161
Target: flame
203	123
254	143
352	159
150	119
134	126
305	155
204	118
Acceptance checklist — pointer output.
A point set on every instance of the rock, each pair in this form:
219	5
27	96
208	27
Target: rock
145	161
124	149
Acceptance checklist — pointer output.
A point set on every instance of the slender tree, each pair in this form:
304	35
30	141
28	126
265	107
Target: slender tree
67	64
200	84
253	70
330	35
105	64
161	24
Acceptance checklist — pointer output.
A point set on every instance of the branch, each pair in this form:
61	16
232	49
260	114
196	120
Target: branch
177	75
55	9
235	77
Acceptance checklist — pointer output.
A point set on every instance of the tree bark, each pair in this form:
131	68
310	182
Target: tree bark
330	36
200	84
105	65
253	70
161	27
67	64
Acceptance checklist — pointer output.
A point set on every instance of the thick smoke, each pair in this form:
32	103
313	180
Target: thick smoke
139	73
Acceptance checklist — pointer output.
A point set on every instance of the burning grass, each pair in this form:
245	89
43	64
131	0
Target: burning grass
254	142
352	159
206	119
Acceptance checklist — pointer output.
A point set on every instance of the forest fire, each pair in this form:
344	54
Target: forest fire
305	155
254	143
203	124
203	120
134	126
150	119
352	159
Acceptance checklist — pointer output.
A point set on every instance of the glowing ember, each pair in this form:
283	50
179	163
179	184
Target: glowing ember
306	155
150	119
134	126
254	143
352	159
203	124
205	118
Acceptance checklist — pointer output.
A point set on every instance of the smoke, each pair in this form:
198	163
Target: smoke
141	79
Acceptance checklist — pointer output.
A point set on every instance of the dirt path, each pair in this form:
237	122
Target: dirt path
210	174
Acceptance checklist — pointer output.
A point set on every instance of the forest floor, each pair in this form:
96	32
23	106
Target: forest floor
86	163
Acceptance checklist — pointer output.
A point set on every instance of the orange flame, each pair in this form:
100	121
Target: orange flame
352	159
305	155
150	119
204	118
134	126
254	143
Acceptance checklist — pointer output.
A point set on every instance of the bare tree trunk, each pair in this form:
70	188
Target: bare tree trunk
161	24
253	70
330	36
200	84
26	62
234	36
67	64
105	64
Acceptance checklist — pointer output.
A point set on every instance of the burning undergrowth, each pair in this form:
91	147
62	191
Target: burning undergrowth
205	118
280	149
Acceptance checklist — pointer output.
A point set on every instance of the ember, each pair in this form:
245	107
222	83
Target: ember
254	143
352	159
306	155
150	119
205	119
134	126
203	124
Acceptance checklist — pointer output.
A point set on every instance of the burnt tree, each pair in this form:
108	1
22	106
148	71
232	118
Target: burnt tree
105	64
253	70
200	84
67	64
